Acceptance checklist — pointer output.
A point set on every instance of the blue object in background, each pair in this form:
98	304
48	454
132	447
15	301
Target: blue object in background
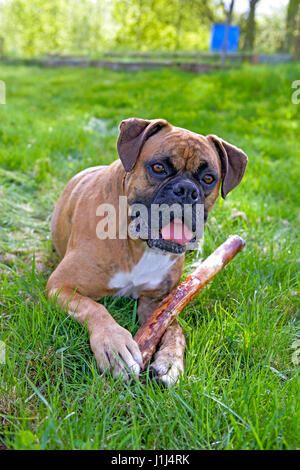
218	35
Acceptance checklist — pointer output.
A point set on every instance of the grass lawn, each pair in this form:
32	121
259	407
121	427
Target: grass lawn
241	388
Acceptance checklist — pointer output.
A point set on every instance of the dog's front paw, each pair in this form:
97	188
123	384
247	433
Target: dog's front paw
167	368
115	350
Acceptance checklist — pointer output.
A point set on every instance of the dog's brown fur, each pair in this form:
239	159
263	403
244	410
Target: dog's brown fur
89	263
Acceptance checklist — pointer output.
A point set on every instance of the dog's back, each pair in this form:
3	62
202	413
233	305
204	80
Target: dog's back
61	221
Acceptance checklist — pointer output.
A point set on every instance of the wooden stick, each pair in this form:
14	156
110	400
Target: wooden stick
149	335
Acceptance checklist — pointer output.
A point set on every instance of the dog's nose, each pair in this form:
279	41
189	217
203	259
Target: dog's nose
186	192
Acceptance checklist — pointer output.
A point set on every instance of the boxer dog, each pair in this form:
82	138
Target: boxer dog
158	164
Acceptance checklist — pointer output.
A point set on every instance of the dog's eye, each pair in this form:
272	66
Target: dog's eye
208	179
158	168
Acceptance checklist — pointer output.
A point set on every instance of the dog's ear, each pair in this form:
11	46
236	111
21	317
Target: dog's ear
233	163
133	134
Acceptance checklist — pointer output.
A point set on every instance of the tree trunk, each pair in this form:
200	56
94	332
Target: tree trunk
1	47
292	11
250	27
179	25
228	23
297	38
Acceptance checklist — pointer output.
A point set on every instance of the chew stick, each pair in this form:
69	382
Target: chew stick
149	335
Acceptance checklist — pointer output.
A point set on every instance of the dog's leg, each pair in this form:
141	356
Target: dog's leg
112	345
169	359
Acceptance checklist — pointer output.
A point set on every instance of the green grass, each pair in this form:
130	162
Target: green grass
241	388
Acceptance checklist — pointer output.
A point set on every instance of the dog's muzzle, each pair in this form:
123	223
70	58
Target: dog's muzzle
175	217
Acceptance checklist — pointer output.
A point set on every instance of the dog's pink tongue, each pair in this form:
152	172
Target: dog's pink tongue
177	232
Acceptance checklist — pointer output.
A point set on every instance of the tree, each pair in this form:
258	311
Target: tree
162	24
297	37
200	9
250	26
292	11
228	12
63	26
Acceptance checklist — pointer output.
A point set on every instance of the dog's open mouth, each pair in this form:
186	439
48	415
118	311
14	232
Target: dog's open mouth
173	237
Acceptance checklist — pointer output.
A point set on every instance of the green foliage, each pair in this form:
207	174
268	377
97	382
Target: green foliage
37	27
43	26
70	26
271	33
163	25
241	388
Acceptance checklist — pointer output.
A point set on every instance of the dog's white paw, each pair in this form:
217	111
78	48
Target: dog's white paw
167	369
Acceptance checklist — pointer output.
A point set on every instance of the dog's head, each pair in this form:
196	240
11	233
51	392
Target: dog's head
169	165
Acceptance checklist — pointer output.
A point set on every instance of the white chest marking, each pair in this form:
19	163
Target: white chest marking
146	275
